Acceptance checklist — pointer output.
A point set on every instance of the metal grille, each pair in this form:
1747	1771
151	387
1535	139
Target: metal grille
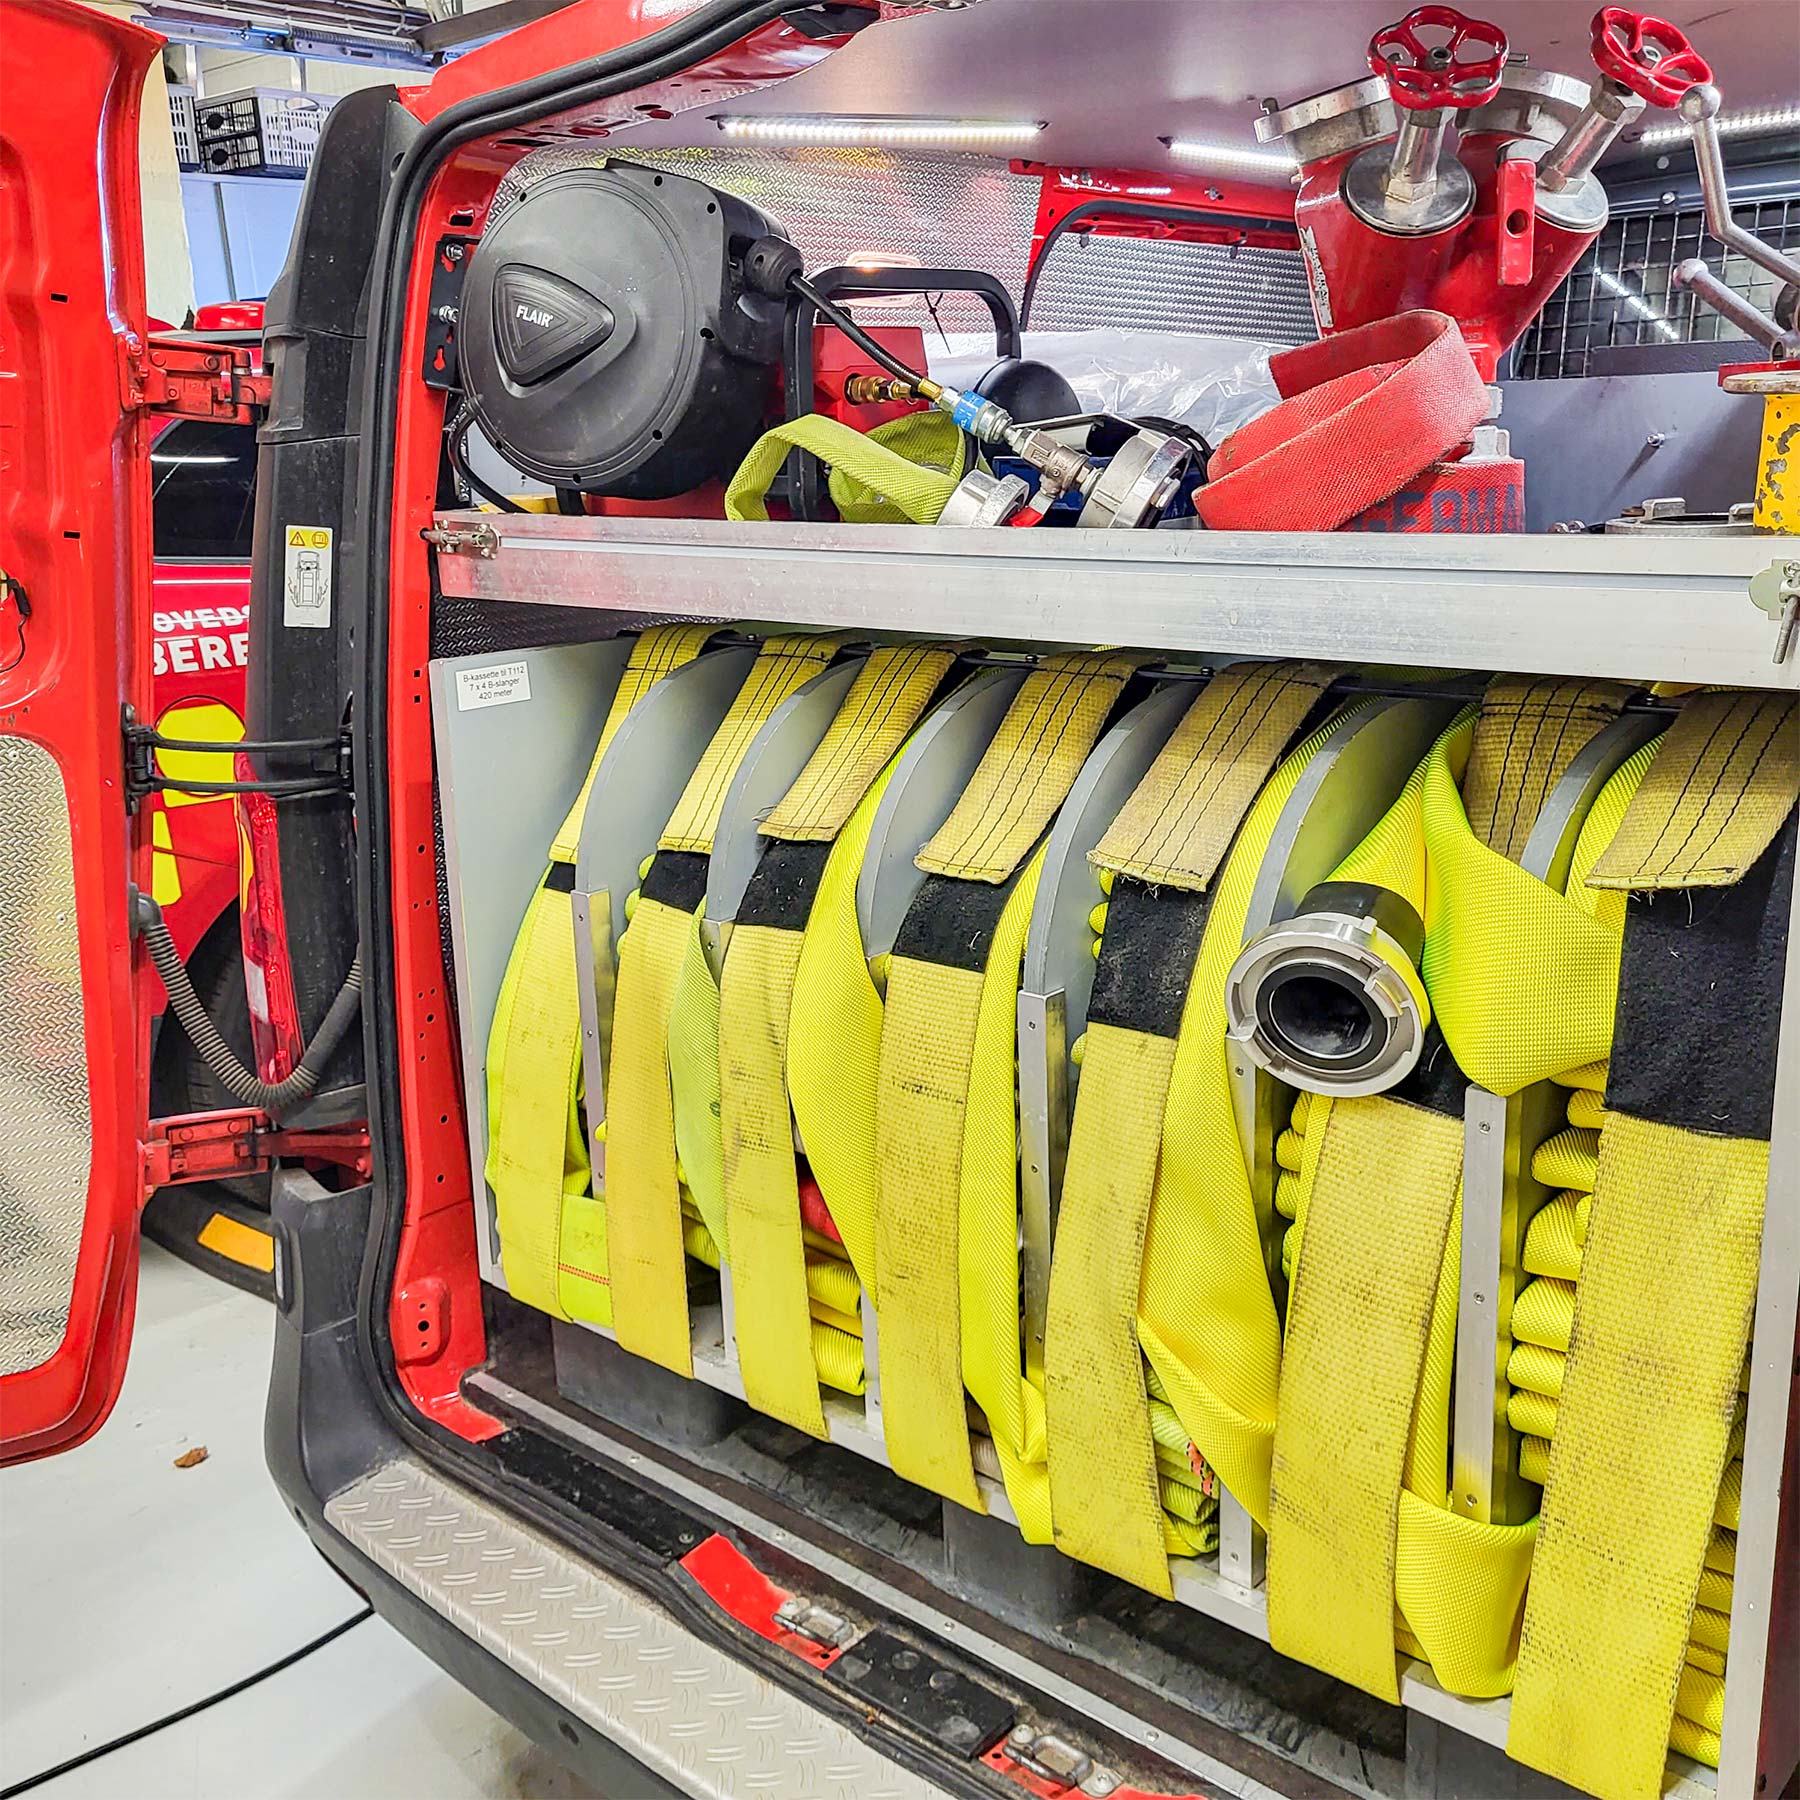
858	206
1621	292
1161	284
45	1122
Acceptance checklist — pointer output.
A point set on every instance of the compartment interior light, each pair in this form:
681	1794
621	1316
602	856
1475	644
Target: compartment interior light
1753	123
1229	159
876	133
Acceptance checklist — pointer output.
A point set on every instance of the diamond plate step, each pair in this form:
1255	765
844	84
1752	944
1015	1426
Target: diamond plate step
699	1718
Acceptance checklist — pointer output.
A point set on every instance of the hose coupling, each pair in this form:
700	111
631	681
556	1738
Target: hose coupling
1331	1000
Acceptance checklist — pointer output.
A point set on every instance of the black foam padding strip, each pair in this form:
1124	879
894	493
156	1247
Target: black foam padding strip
1436	1082
677	878
1699	1010
952	922
560	879
1147	956
782	890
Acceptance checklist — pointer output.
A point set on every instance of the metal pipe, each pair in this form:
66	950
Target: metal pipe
1700	107
1591	133
1412	173
1699	280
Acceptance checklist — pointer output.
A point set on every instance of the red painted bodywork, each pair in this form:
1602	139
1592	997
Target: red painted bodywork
75	531
437	1237
1209	209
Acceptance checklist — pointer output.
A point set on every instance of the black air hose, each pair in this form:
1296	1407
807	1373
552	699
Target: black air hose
216	1053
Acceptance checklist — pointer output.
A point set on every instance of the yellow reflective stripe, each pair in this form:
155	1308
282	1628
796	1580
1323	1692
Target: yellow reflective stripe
237	1242
659	651
647	1266
1614	1629
782	665
1101	1460
1030	766
1345	1419
1532	728
885	701
1179	822
1722	784
762	1196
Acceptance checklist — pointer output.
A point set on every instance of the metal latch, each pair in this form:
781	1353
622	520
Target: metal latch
1777	591
1056	1760
242	1140
456	538
817	1624
191	381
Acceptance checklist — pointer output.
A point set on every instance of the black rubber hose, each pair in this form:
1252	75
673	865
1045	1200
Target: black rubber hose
454	439
239	1082
833	314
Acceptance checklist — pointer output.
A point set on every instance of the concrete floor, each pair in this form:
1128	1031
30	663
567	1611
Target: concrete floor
130	1589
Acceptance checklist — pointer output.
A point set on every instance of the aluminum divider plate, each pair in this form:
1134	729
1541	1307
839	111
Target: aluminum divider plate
513	734
1500	1195
1059	976
769	768
647	765
938	764
1342	795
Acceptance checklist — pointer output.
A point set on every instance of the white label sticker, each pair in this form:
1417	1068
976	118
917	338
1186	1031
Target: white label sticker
499	684
307	589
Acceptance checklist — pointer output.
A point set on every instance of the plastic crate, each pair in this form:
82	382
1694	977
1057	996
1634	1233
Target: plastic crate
185	126
260	131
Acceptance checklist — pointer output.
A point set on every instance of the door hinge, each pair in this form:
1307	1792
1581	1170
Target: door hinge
243	1140
191	381
456	538
319	766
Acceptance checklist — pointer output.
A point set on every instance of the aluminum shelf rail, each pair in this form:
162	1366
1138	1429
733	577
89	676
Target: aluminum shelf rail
1633	606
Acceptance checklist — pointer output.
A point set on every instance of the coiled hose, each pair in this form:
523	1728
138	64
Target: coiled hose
273	1098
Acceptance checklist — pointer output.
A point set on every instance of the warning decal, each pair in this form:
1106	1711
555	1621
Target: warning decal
307	587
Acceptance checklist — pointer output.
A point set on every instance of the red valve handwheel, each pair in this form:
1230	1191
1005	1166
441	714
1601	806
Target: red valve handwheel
1459	80
1650	56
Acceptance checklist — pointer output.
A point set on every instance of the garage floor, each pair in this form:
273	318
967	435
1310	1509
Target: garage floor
133	1589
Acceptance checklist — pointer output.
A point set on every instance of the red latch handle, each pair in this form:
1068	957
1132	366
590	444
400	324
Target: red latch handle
1648	55
1462	71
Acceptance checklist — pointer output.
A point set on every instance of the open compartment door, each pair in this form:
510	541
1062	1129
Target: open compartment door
74	615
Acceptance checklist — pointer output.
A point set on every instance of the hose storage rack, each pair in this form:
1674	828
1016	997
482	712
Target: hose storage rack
514	728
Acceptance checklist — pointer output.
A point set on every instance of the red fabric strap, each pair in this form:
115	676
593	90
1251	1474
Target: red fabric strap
1360	415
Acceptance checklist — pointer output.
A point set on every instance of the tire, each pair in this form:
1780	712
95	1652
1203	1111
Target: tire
183	1083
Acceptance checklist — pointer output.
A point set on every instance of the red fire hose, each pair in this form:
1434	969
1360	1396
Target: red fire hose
1362	414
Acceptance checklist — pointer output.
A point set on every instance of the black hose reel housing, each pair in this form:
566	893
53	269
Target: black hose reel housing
608	339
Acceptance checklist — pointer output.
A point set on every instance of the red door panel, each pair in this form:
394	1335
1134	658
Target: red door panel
74	546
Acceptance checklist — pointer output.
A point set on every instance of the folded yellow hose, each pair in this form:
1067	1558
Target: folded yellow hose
643	1212
552	1236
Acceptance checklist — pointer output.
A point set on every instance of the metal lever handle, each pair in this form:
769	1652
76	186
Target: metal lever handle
1648	55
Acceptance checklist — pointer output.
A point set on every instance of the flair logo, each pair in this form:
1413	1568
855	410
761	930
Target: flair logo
533	315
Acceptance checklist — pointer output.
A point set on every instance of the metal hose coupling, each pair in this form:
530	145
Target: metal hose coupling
1331	999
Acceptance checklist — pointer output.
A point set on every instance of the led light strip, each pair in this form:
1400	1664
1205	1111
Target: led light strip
875	133
1744	124
1636	303
1230	158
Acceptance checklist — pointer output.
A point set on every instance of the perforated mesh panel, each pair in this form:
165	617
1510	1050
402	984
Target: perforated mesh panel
1621	292
1159	284
45	1128
849	206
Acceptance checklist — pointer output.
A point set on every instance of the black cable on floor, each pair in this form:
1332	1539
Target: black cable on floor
186	1712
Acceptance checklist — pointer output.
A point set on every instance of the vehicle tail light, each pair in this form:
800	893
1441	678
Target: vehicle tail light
268	977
